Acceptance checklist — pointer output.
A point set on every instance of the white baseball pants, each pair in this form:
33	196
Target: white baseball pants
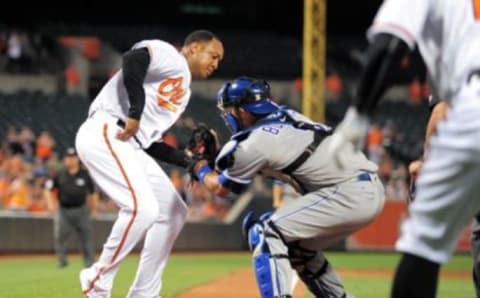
448	187
148	203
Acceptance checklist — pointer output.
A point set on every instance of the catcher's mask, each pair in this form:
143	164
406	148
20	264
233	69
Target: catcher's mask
250	94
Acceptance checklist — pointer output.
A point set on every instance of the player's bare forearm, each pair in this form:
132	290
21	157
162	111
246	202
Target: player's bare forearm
439	113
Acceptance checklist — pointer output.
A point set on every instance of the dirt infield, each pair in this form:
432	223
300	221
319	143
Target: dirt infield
241	283
238	284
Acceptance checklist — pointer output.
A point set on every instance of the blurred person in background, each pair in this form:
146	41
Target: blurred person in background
14	52
38	202
45	146
12	140
17	195
27	141
282	193
71	194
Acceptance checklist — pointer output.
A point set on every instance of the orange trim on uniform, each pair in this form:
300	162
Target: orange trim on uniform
134	213
476	9
167	105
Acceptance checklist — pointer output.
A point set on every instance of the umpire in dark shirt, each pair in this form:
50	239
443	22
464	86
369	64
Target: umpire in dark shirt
73	186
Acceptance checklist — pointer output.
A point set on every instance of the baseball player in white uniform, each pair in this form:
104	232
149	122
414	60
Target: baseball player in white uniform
118	143
447	33
279	142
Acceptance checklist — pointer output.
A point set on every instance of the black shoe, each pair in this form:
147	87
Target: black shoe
62	264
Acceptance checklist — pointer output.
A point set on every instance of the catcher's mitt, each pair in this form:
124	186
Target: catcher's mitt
204	142
204	145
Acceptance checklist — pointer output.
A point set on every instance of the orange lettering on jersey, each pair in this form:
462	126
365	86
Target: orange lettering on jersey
476	9
166	104
171	93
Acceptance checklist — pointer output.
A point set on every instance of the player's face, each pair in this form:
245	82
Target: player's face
71	161
205	58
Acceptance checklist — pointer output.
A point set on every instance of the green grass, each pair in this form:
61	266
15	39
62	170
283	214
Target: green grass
38	276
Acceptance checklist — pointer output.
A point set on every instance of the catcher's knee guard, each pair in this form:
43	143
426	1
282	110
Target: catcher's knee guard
264	261
315	271
252	228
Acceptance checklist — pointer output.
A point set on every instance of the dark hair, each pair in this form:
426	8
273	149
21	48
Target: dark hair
199	35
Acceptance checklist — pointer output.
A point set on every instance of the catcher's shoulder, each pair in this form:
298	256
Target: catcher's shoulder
225	157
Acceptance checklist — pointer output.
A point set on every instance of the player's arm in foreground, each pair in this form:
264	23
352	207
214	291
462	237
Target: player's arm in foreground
134	68
384	55
203	143
166	153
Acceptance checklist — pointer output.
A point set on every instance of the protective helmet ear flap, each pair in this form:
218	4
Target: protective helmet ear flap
231	122
222	96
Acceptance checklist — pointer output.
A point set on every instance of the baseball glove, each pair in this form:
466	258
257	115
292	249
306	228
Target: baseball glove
204	145
204	142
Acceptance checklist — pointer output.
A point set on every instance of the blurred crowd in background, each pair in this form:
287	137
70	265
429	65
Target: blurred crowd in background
28	161
23	52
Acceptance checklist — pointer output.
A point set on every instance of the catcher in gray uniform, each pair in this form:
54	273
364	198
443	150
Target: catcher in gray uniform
281	143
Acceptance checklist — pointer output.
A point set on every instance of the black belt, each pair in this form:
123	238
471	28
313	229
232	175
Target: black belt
121	124
317	139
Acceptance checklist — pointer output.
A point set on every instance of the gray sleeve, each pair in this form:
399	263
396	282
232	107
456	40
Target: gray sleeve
248	161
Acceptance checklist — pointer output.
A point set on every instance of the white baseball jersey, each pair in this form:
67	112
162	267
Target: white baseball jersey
167	92
447	33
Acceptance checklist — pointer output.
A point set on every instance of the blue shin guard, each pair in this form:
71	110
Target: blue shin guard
263	274
254	233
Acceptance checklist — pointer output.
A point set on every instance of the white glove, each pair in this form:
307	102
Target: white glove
353	129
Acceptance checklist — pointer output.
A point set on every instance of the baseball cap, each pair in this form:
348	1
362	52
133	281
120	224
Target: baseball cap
70	151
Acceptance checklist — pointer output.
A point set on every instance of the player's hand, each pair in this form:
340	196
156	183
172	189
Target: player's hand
130	129
414	167
353	129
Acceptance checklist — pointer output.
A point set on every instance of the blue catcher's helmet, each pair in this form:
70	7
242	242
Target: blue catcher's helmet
248	93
